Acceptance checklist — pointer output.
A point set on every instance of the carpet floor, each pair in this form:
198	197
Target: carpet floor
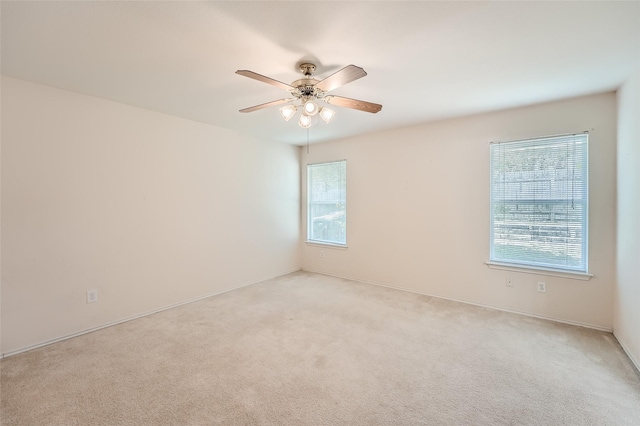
308	349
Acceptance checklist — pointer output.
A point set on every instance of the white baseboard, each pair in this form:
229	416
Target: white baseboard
626	350
165	308
497	308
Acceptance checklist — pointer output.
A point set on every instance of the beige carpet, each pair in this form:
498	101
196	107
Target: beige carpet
306	349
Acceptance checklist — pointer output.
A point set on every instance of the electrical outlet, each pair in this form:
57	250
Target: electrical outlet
92	296
509	281
321	253
542	287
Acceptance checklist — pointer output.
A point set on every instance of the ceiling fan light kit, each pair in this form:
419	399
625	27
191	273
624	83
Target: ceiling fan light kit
308	91
327	114
305	121
288	112
311	108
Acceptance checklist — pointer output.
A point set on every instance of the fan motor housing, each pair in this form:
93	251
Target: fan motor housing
306	86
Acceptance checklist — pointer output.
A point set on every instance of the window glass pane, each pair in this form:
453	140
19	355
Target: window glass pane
327	202
539	208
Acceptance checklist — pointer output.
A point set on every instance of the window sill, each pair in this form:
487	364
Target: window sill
326	244
540	271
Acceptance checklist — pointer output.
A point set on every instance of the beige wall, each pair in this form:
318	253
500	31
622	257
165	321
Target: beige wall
627	295
150	210
153	210
418	210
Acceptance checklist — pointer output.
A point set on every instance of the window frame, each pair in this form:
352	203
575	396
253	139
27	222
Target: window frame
309	221
535	265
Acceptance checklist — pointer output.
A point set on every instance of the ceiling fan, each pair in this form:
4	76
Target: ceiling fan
309	90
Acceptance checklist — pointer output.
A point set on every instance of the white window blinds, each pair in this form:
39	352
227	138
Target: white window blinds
539	202
327	202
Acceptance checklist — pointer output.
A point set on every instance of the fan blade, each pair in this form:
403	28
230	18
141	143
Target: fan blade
264	79
340	78
268	104
353	104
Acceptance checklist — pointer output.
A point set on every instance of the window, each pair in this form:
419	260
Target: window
539	205
327	203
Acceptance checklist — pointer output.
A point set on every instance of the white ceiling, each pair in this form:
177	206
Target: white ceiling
425	60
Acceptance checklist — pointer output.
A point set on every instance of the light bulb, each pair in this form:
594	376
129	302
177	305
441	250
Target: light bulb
288	112
305	121
311	108
327	114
